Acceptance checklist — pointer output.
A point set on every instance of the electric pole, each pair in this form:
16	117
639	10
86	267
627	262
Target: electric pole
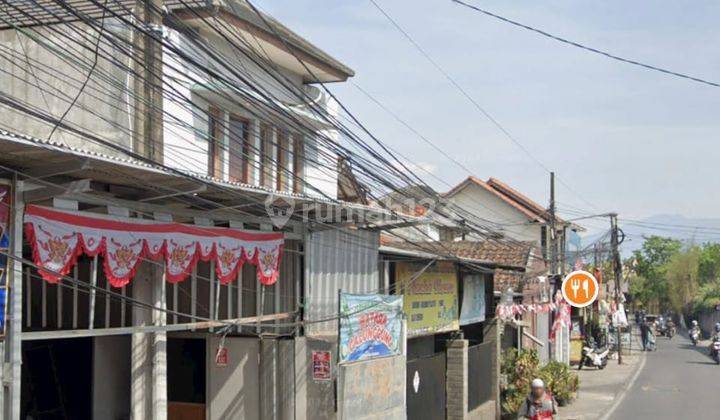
617	270
553	232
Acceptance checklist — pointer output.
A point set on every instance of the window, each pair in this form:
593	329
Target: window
266	155
239	149
281	177
215	150
297	165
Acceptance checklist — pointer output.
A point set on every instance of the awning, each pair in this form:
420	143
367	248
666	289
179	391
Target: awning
58	237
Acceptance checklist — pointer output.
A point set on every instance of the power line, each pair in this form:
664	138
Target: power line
585	47
472	100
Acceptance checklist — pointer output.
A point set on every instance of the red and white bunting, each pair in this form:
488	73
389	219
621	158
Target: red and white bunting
507	312
58	237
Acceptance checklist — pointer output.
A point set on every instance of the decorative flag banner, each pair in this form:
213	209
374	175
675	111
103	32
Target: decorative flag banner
58	237
562	317
370	326
507	312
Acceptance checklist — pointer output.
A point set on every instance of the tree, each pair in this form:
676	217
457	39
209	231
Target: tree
682	278
709	269
649	282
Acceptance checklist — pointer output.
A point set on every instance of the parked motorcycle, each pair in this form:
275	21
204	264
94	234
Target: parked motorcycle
593	356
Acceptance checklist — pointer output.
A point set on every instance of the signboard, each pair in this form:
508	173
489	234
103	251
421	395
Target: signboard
4	249
580	289
370	326
221	358
430	298
473	302
321	366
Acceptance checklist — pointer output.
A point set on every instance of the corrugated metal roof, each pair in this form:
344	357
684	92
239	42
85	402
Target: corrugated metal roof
336	260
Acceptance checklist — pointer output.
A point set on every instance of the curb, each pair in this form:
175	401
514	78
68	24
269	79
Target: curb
620	395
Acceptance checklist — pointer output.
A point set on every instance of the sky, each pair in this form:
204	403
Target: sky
619	137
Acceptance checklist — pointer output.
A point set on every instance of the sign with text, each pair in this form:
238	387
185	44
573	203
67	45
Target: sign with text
430	297
321	366
473	301
370	326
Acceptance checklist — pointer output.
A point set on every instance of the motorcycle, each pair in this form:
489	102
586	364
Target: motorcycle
592	356
670	331
715	351
694	336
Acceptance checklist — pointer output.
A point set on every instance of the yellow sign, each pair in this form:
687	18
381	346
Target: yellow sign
430	299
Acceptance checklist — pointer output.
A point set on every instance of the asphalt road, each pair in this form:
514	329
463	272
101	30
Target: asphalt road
678	381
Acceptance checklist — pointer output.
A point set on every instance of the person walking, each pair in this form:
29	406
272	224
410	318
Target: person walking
644	332
539	404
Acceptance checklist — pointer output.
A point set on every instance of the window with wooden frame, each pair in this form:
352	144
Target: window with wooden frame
239	149
282	172
215	149
298	163
266	155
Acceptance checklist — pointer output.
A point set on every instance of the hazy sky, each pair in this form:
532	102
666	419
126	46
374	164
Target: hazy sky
624	138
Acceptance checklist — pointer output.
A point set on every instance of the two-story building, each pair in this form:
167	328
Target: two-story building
151	274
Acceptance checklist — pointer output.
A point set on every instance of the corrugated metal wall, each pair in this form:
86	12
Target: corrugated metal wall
335	260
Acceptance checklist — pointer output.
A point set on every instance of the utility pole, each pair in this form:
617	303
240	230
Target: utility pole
617	270
149	356
148	118
553	232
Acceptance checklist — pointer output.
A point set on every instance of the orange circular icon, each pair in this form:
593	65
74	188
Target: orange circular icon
580	289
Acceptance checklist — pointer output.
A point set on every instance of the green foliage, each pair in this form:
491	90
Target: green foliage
707	297
651	261
682	278
560	381
522	367
709	264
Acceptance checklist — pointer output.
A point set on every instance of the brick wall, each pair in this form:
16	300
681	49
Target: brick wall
456	382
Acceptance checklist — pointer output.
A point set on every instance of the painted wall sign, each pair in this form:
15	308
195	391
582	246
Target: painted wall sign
430	299
370	326
5	195
473	302
321	366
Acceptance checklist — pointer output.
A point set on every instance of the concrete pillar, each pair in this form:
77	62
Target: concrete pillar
140	361
268	380
159	347
13	345
301	378
456	379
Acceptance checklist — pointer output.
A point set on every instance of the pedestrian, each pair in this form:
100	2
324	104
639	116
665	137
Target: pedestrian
539	404
644	331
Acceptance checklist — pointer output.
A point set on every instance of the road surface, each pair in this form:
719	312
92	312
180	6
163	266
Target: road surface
679	381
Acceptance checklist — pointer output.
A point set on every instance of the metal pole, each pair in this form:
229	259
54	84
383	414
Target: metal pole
553	233
617	269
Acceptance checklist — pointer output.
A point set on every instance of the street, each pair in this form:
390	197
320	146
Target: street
677	381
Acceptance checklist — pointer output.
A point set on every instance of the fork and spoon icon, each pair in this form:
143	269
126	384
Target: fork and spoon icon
575	286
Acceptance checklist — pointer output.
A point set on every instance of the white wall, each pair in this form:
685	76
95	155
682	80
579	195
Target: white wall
185	133
234	390
486	205
59	82
111	377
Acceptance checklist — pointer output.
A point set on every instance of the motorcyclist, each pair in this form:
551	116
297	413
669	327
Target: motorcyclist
694	327
539	404
716	334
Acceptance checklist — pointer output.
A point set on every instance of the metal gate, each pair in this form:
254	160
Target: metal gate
479	374
426	387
